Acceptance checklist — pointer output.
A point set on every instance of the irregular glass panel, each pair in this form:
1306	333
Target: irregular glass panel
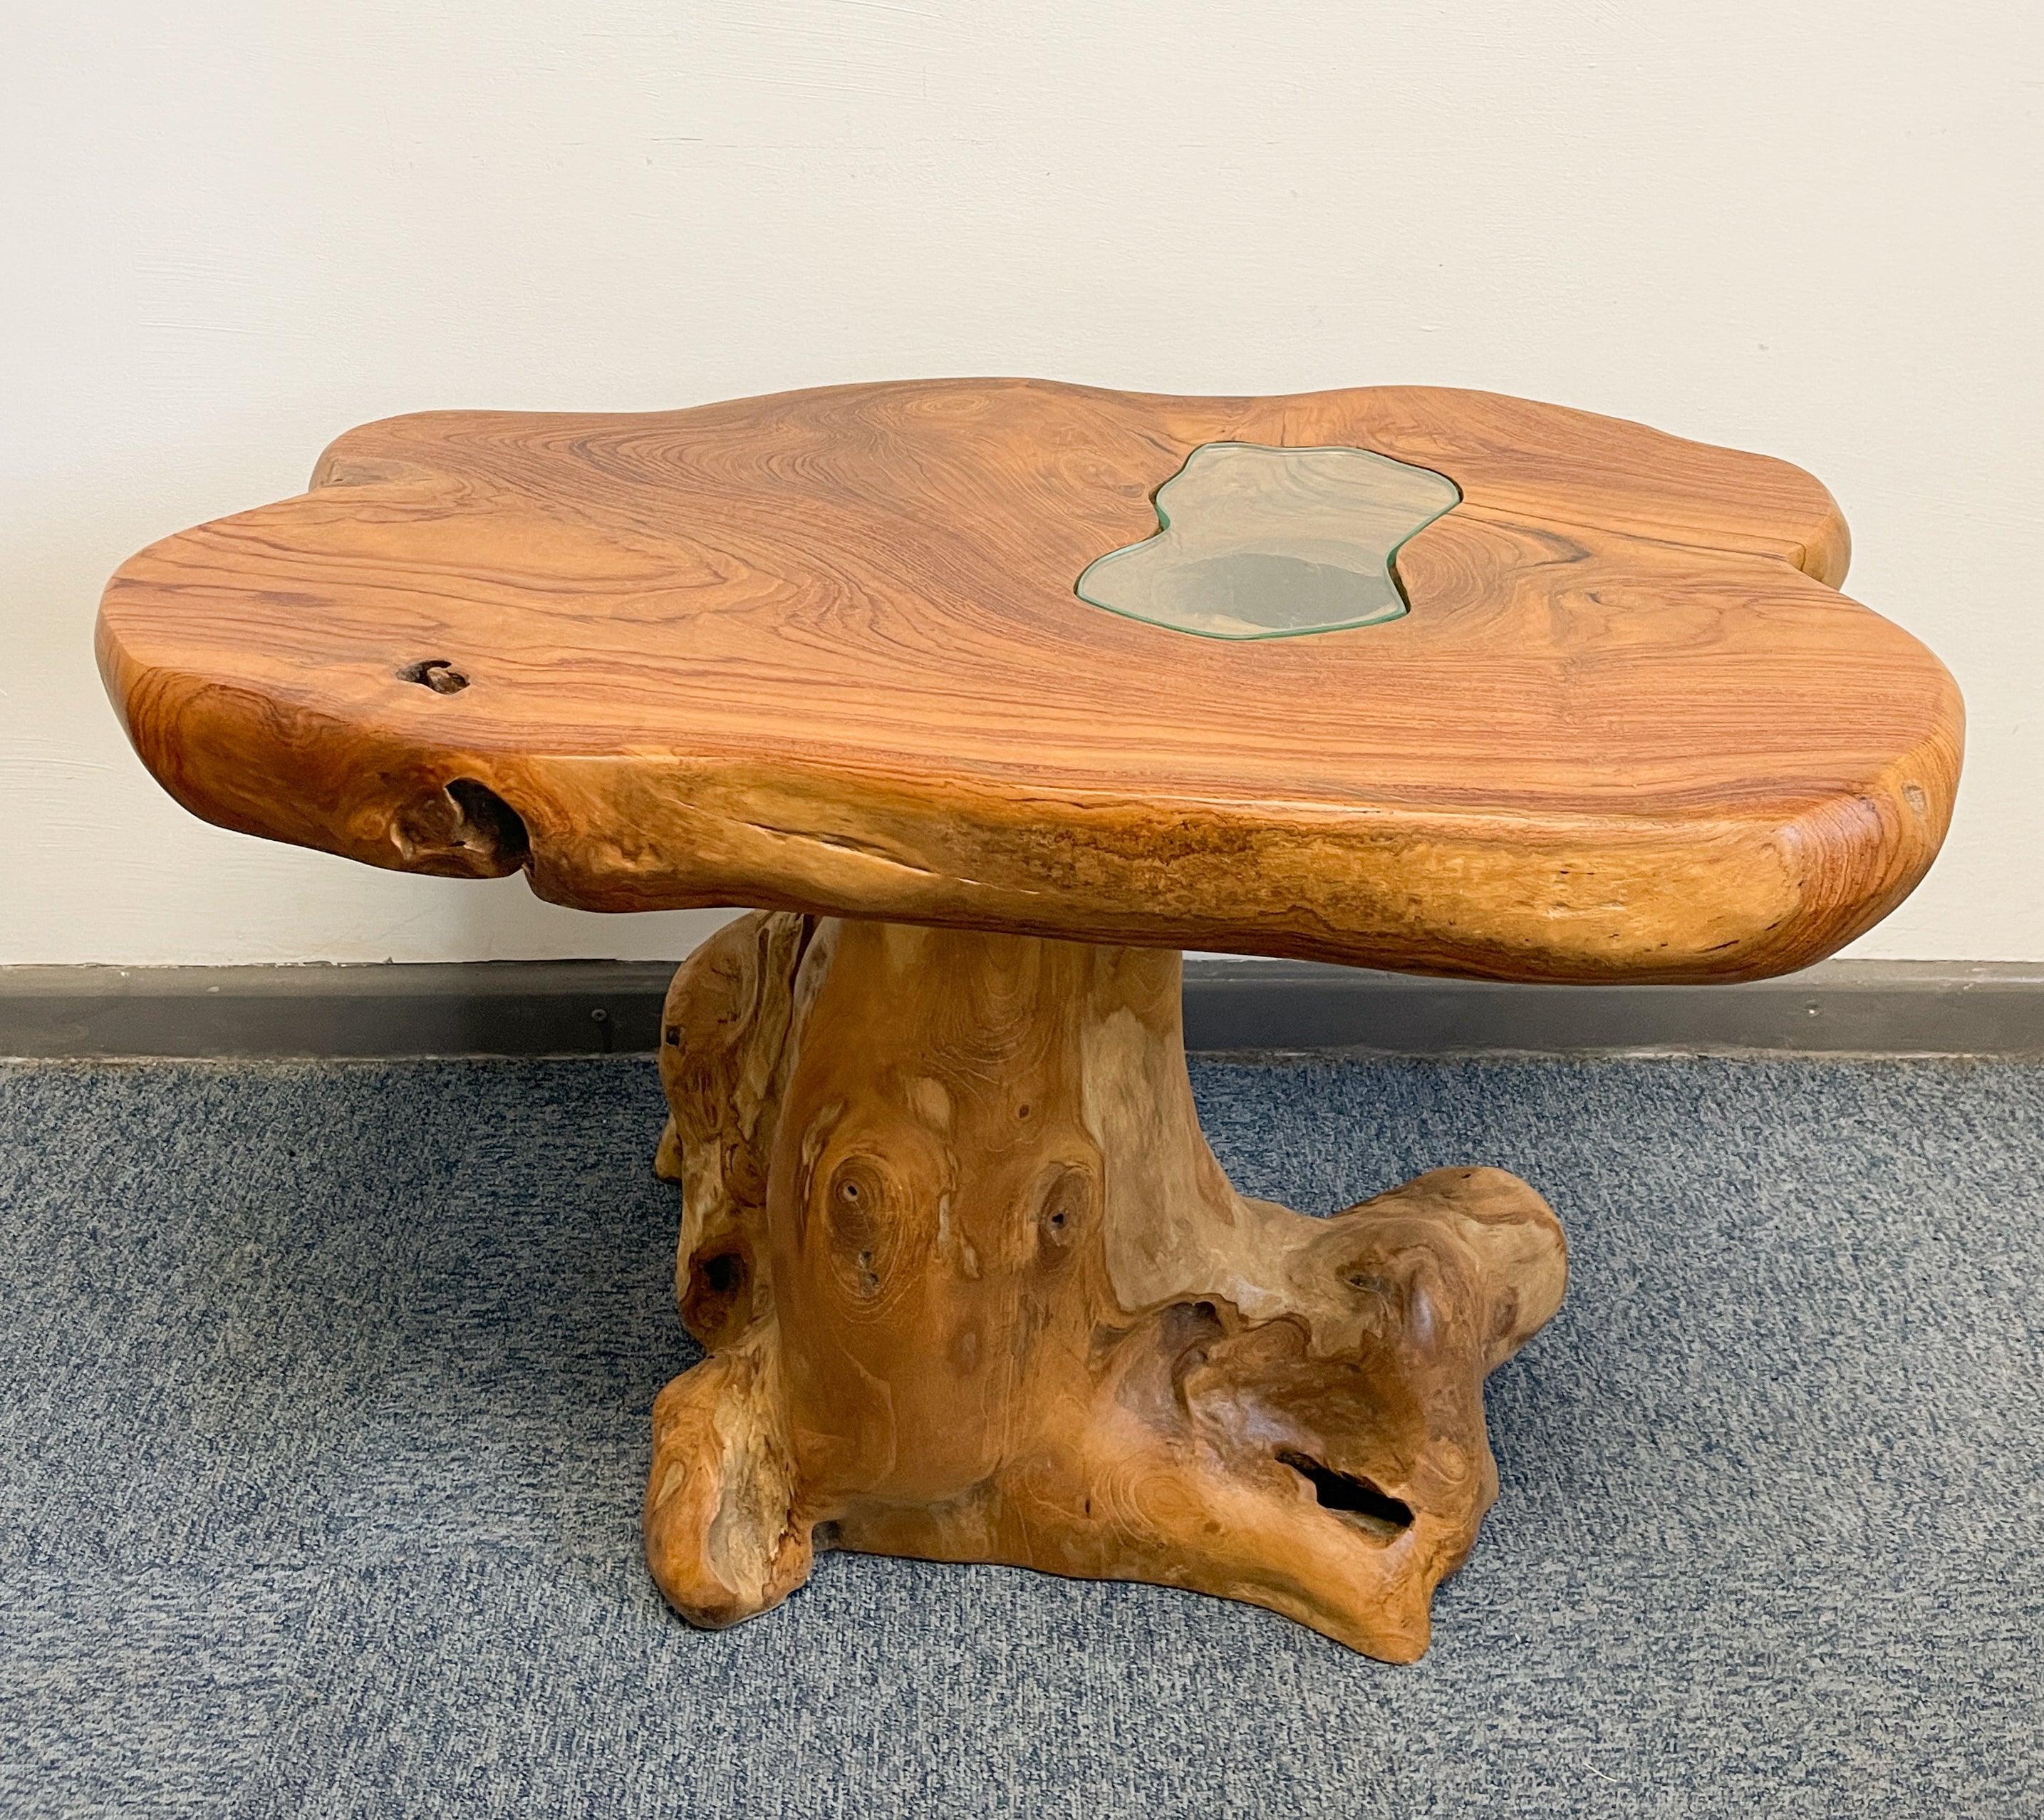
1268	543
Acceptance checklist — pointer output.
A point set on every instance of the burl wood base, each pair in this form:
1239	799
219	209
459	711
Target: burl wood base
974	1288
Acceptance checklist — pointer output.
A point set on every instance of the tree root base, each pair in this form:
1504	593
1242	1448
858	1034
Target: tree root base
974	1288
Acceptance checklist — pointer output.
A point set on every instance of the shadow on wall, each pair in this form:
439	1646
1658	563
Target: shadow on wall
499	919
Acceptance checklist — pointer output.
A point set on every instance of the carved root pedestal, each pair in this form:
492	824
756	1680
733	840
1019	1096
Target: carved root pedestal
974	1288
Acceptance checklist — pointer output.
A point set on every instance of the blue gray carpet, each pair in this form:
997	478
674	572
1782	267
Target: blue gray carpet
326	1393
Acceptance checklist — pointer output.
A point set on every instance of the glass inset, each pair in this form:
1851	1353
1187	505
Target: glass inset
1268	543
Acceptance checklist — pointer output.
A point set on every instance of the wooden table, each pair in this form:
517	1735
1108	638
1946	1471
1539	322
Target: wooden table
915	669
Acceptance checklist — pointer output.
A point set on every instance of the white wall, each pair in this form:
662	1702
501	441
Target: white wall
228	231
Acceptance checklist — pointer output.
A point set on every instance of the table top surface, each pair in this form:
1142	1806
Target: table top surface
1026	656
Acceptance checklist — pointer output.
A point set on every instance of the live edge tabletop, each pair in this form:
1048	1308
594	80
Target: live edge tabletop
990	695
824	653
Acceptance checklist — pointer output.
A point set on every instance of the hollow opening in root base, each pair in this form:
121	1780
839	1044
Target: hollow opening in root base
1349	1496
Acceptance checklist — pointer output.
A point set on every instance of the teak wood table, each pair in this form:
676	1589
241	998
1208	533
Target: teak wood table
993	695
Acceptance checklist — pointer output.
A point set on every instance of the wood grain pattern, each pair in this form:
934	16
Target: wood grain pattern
974	1288
821	653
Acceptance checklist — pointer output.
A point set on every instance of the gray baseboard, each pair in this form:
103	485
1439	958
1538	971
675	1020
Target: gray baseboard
471	1008
1840	1007
556	1008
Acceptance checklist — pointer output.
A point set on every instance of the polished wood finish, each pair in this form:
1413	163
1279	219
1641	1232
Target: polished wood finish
822	653
974	1288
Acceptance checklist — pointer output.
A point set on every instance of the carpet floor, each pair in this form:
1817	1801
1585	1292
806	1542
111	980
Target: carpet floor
326	1417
